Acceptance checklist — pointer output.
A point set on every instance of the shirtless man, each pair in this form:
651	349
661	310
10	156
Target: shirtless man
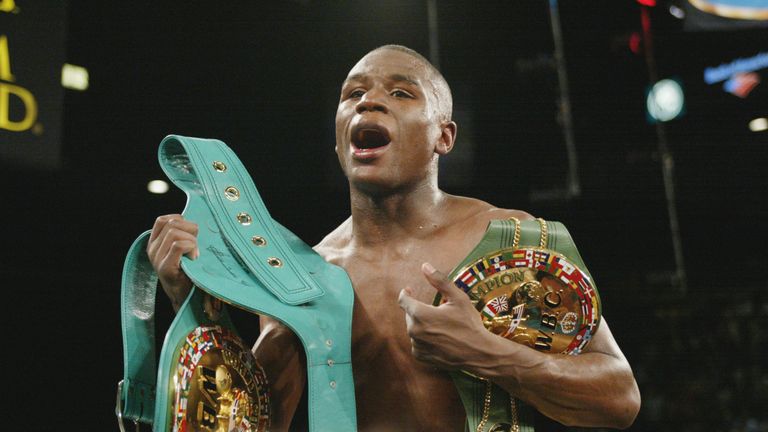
392	124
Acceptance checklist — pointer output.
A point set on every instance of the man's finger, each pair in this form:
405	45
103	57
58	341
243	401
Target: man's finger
409	304
441	283
177	249
160	232
172	237
172	229
160	223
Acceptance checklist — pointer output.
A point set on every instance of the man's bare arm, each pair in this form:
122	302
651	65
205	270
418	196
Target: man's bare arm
596	388
279	351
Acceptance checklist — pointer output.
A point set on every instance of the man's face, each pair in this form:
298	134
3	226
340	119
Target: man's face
387	123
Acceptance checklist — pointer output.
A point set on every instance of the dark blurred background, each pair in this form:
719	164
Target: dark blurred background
264	77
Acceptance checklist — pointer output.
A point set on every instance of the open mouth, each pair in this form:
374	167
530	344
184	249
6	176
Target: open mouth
366	137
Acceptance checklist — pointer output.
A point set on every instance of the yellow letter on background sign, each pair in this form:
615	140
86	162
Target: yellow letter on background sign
7	5
5	60
6	90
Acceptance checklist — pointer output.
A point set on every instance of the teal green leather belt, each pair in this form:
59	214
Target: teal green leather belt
246	260
489	407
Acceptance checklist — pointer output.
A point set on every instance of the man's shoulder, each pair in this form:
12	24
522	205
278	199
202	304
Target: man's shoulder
477	211
335	242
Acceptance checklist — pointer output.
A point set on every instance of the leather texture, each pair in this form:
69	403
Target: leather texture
499	235
138	325
279	276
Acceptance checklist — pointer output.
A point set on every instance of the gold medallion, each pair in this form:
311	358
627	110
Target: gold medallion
533	296
219	387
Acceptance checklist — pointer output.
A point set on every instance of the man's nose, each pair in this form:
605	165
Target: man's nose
371	101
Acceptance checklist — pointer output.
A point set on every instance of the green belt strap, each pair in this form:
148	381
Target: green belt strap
500	235
249	261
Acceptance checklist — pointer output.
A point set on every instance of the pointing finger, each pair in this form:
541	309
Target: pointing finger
406	301
440	282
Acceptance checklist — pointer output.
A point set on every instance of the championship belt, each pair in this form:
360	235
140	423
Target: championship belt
529	285
207	378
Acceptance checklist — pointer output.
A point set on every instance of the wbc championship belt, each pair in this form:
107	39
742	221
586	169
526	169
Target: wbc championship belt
206	378
529	285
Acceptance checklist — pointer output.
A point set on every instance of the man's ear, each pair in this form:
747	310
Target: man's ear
447	137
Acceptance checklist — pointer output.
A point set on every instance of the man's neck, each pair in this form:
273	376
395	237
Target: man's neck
381	219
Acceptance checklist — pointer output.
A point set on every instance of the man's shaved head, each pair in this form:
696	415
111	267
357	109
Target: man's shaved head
440	89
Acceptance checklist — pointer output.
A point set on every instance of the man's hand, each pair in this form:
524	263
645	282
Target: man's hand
171	238
450	336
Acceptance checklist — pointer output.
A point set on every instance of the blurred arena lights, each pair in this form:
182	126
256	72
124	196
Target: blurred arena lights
676	12
758	124
650	3
157	187
635	42
665	100
742	84
74	77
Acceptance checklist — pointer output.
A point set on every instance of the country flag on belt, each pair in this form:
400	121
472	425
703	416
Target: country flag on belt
495	306
476	274
518	254
519	263
183	405
565	266
497	263
586	309
184	380
467	280
517	313
582	285
479	269
541	260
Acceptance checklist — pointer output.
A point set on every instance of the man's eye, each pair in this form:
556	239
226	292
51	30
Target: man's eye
401	94
356	94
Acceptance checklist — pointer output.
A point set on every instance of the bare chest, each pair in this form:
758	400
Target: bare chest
391	386
378	282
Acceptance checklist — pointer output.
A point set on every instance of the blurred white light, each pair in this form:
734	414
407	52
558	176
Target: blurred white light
665	100
758	124
74	77
676	12
157	187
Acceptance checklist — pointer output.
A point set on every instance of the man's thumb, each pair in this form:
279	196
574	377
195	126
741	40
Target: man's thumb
440	282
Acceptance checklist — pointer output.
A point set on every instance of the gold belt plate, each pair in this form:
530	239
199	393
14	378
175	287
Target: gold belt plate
533	296
219	386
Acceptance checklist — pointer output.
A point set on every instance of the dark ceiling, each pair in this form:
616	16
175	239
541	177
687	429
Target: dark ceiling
264	78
